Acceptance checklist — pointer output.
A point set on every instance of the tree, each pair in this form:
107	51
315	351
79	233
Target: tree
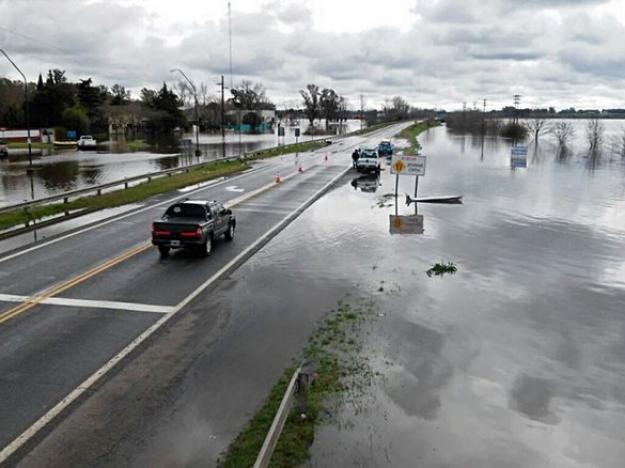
251	96
329	104
594	135
119	95
396	109
311	103
562	131
148	97
536	127
75	118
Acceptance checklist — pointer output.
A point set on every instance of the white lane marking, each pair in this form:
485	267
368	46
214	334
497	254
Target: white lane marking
91	303
93	378
210	183
262	210
234	188
112	220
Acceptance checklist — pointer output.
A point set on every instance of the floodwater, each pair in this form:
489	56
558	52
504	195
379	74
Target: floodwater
517	360
59	171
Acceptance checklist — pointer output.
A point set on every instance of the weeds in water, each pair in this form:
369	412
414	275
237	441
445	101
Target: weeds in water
342	373
440	269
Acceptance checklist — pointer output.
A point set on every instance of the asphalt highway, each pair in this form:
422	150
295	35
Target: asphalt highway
94	322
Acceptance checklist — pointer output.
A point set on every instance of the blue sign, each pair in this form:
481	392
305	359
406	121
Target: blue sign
71	134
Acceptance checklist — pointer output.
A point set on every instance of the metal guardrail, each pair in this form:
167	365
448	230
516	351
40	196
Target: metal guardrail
298	387
66	196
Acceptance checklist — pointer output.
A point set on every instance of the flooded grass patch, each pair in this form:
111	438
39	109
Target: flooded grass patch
439	269
341	372
120	197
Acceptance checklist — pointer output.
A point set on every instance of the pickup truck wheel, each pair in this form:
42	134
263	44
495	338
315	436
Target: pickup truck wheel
229	235
207	247
164	251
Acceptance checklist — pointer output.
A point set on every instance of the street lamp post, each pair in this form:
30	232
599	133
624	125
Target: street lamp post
197	118
30	151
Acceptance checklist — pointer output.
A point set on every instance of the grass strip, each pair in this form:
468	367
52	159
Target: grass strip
124	196
411	133
137	145
372	128
341	371
287	149
34	145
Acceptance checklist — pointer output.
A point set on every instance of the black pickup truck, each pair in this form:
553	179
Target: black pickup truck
193	225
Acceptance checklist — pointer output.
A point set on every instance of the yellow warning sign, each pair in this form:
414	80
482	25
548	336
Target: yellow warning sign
399	166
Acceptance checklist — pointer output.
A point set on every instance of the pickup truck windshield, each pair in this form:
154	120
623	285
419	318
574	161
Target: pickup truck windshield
186	210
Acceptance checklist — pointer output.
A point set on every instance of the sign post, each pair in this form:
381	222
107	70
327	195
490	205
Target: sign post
407	165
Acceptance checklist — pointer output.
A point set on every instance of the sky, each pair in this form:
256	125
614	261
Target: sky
434	53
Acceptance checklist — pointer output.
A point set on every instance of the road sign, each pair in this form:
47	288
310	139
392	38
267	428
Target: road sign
297	133
518	152
406	224
281	131
408	165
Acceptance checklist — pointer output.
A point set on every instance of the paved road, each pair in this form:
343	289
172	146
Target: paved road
76	305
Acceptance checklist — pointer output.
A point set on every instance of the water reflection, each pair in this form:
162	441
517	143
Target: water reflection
366	183
59	177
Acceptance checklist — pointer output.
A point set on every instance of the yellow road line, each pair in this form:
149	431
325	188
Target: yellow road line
54	290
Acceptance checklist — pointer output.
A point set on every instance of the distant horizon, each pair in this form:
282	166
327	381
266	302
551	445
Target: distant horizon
435	54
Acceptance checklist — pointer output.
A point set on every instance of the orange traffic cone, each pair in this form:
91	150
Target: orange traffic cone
278	180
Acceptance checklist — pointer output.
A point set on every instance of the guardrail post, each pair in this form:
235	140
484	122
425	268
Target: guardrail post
304	379
149	179
66	200
99	192
125	183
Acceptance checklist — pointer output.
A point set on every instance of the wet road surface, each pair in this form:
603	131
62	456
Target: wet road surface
60	339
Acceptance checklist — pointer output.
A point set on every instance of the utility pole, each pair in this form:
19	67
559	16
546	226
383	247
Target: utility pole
517	102
223	119
27	103
362	110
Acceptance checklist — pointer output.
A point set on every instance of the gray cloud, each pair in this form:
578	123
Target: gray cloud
553	52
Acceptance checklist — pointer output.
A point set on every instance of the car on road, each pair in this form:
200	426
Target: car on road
193	225
87	142
368	161
385	148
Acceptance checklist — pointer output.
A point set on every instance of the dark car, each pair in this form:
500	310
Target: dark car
385	148
193	225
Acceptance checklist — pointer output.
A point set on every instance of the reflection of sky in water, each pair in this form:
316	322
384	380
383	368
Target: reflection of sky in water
517	360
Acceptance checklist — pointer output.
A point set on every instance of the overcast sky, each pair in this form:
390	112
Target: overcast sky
433	52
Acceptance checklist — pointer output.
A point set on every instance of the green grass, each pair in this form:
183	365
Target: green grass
288	149
411	133
137	145
122	197
439	269
340	368
372	128
34	145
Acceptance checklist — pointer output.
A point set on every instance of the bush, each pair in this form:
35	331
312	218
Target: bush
514	130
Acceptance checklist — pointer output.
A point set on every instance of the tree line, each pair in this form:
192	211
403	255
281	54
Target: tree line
86	107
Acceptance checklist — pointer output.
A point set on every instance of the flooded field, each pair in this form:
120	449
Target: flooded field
514	360
58	171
